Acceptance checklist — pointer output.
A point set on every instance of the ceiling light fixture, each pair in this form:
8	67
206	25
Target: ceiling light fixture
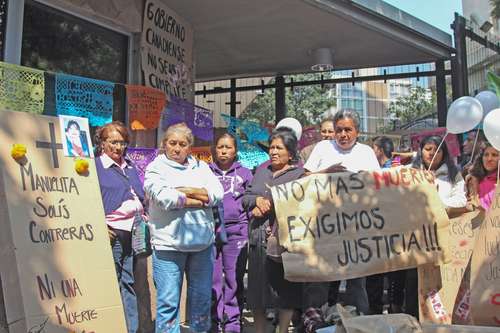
322	59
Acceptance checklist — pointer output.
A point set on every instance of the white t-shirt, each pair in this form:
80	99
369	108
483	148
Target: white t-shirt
327	153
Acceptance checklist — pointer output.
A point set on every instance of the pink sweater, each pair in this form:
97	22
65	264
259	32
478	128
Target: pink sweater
487	190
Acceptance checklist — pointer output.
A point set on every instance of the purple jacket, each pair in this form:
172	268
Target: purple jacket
234	181
115	187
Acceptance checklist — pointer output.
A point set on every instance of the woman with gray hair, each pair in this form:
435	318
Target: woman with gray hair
343	153
181	191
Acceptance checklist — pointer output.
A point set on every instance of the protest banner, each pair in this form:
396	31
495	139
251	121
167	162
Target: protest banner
485	269
348	225
167	51
57	271
444	290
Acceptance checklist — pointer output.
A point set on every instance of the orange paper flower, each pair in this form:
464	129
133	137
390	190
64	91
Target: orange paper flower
81	166
18	151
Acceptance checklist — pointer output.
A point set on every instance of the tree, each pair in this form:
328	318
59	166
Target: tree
495	8
414	106
307	103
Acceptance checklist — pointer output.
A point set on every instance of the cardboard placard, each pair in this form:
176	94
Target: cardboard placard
444	291
167	51
57	269
485	269
348	225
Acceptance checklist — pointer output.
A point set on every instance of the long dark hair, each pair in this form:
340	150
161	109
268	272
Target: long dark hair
435	139
478	169
287	135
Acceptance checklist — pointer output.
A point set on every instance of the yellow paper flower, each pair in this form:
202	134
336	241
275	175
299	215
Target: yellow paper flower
18	151
81	166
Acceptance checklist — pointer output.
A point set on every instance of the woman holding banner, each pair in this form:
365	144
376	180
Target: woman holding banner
483	175
182	192
231	256
122	197
451	189
265	268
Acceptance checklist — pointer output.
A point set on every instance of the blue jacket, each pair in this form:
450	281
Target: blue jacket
115	186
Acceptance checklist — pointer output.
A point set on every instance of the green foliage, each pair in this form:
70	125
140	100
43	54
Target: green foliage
412	107
307	103
57	42
494	82
495	11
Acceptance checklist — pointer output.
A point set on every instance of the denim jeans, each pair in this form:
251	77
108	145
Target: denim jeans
124	264
168	271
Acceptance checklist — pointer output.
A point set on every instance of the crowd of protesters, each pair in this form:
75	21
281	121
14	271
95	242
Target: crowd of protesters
215	223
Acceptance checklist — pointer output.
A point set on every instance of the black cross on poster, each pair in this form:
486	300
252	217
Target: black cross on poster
52	145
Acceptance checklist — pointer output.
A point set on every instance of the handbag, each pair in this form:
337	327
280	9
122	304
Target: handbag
141	237
273	248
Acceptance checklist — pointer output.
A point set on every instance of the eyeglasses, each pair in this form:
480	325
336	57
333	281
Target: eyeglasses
118	143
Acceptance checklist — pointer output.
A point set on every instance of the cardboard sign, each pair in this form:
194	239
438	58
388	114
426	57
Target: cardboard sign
57	269
444	291
485	269
167	51
348	225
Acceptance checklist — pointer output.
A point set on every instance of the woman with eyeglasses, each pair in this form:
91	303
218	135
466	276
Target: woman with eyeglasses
123	198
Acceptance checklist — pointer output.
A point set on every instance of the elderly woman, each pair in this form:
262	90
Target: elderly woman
181	191
122	197
265	271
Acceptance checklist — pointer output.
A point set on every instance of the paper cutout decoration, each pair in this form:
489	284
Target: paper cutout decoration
86	98
21	88
145	106
75	136
244	129
251	156
141	157
198	119
202	153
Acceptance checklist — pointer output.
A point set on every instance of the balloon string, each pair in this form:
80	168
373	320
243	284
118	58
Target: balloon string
437	150
474	146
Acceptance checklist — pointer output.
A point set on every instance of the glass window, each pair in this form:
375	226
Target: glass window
59	42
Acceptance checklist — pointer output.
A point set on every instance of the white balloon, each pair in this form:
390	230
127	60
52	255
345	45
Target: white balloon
292	124
488	100
464	114
491	128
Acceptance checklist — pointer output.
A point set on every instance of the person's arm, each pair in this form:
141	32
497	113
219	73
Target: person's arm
212	188
199	194
159	192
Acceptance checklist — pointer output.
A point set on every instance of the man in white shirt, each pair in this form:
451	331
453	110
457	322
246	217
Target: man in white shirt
344	153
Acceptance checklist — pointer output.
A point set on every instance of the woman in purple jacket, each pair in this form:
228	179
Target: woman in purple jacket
230	258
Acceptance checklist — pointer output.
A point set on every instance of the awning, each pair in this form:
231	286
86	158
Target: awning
245	38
